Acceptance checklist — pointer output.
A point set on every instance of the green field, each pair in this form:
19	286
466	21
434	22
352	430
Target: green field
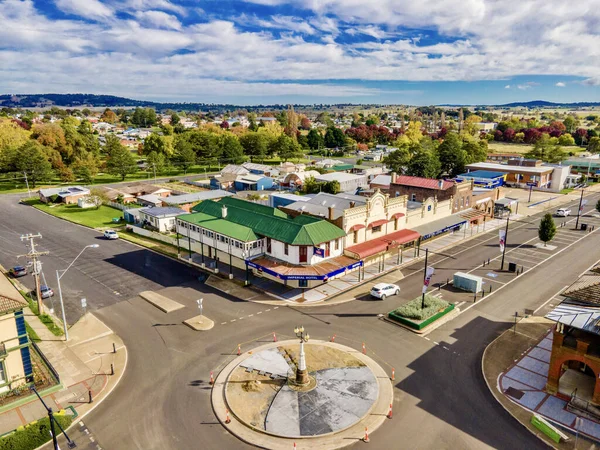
90	217
500	147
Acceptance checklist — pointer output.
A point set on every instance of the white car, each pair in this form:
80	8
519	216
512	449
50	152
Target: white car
383	290
563	212
111	234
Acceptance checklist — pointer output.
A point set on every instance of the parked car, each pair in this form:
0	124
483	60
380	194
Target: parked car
18	271
111	234
46	291
563	212
383	290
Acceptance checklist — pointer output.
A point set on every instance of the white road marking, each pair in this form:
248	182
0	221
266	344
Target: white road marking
251	315
436	343
551	298
277	307
232	320
426	338
223	323
260	312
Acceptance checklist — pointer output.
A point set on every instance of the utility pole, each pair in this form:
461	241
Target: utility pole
27	183
424	280
579	209
505	242
33	255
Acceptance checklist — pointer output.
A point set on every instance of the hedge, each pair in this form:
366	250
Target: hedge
34	434
413	310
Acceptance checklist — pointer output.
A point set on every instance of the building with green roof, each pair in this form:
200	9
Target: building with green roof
265	239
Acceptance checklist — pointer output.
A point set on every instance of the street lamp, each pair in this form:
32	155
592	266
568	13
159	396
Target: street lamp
301	372
58	277
53	422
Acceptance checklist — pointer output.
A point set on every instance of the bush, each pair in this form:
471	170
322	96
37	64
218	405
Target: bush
34	435
412	309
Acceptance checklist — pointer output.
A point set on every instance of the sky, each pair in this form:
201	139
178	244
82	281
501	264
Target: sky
250	52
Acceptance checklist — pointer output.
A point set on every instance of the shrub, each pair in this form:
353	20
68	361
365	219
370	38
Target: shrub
33	435
412	309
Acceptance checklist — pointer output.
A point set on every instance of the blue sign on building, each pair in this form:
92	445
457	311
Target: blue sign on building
319	251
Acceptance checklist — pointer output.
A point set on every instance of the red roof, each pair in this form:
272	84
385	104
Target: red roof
374	246
427	183
397	215
356	228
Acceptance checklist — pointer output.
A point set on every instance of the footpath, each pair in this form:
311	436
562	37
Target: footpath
87	368
515	368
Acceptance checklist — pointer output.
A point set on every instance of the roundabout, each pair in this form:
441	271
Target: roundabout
318	394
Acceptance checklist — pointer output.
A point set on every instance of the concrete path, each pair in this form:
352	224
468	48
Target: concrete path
83	365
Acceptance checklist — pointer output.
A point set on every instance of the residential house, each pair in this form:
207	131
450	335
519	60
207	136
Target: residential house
253	183
223	182
296	179
277	199
68	194
187	201
300	251
234	169
381	182
15	356
150	200
161	219
261	169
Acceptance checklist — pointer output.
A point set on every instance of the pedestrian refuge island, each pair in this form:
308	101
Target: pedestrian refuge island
467	282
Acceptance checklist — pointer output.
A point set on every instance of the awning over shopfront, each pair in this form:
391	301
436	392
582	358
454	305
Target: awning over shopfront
436	227
377	223
472	214
321	271
382	244
398	215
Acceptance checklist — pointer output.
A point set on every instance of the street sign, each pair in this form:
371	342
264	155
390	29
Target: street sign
83	302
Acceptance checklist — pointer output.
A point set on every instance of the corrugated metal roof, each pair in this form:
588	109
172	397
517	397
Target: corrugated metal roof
427	183
578	316
586	290
273	223
222	226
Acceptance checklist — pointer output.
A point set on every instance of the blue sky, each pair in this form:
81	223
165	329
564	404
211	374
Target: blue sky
308	51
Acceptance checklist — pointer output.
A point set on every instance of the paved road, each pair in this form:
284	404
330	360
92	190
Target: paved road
441	400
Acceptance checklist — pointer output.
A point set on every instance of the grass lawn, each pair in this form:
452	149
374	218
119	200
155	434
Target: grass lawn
500	147
90	217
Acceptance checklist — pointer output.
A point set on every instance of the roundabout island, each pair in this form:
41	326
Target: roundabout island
312	393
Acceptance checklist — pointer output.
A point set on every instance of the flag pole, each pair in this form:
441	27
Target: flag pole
424	279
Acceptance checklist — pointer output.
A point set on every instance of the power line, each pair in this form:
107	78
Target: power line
33	256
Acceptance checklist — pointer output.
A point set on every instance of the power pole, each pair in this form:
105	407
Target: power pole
33	256
27	183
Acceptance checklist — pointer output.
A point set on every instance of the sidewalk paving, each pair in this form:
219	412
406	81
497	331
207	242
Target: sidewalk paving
515	367
83	364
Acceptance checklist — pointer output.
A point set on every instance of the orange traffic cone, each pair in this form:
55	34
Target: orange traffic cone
227	419
390	413
364	349
294	446
333	338
393	374
239	349
366	438
274	337
212	380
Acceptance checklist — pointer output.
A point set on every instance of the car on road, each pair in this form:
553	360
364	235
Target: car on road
563	212
383	290
18	271
46	291
111	234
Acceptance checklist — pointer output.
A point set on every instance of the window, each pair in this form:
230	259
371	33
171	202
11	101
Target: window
456	204
337	244
302	283
355	237
2	373
395	224
467	201
462	202
268	245
377	229
413	197
397	194
285	249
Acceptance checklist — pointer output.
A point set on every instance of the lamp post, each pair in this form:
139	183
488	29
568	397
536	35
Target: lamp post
581	205
53	422
301	372
505	241
59	275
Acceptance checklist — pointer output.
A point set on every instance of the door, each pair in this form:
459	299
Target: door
268	245
303	254
327	249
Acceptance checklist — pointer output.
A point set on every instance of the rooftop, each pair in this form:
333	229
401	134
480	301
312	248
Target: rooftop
10	298
481	174
319	205
585	290
163	212
427	183
339	176
196	197
508	169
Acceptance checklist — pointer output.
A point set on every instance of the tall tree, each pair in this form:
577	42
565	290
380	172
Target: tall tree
232	151
398	160
334	138
547	229
30	159
184	156
86	168
286	148
424	163
254	144
120	162
452	156
315	139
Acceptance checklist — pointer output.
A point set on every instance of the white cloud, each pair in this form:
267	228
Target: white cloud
91	9
560	84
277	22
507	86
159	19
144	5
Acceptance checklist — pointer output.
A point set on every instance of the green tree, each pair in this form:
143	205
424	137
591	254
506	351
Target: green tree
452	157
424	163
286	148
156	162
154	143
566	140
175	119
332	187
570	124
547	150
30	159
334	138
476	151
255	145
111	143
184	156
594	145
232	151
120	162
547	229
315	139
398	160
86	168
98	197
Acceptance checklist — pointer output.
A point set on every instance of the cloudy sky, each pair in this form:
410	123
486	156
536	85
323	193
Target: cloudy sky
304	51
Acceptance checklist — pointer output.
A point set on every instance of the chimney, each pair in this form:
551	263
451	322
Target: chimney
224	212
352	204
331	209
441	184
393	180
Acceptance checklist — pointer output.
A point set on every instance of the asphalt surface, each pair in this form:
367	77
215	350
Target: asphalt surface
441	399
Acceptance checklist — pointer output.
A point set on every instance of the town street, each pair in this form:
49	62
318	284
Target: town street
163	401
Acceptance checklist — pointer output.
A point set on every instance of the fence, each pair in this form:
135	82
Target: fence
153	235
119	206
48	365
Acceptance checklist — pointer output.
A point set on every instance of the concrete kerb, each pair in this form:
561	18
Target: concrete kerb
429	328
376	416
495	393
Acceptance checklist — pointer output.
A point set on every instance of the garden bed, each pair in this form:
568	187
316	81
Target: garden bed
413	316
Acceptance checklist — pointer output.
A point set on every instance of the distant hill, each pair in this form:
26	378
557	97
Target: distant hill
545	104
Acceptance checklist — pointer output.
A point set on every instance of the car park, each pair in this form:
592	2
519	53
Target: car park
383	290
18	271
111	234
